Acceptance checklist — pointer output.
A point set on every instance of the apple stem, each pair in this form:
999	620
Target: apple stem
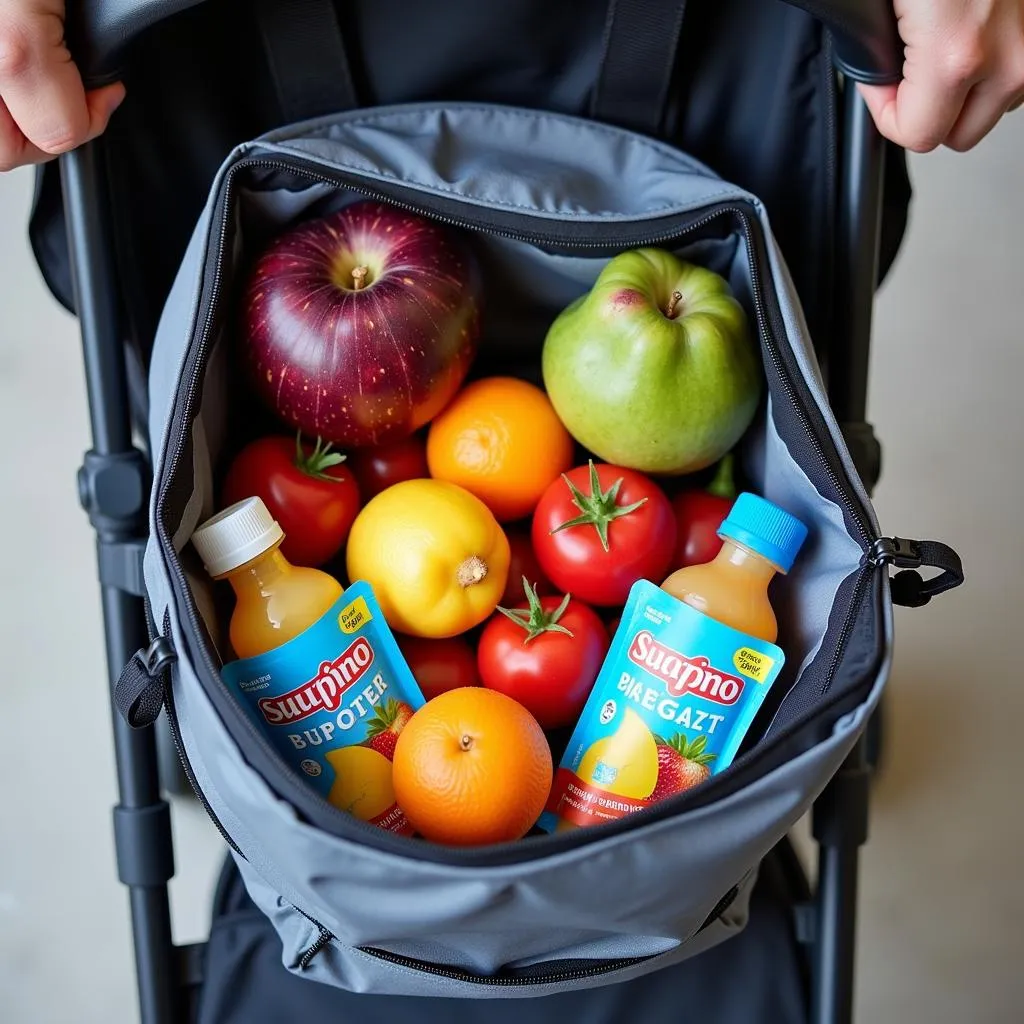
466	743
673	304
359	277
471	571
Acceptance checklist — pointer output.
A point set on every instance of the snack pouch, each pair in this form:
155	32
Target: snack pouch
326	699
674	698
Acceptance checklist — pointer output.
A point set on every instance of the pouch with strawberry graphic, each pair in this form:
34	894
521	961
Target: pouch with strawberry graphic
675	697
332	702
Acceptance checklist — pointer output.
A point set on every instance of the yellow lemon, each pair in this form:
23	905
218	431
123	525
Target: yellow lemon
434	554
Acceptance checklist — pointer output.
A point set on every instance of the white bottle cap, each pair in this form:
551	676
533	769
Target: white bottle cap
237	535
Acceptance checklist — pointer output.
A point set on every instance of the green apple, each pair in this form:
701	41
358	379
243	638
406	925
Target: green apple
654	368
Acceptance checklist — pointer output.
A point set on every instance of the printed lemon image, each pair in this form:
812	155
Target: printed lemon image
362	783
625	763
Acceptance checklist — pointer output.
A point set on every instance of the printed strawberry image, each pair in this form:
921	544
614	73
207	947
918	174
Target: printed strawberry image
681	765
383	729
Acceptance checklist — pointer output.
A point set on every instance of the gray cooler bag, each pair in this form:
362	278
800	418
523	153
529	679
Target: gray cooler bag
547	200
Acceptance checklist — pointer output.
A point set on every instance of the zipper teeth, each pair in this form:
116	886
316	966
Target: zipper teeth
847	631
839	485
499	981
354	825
179	746
383	196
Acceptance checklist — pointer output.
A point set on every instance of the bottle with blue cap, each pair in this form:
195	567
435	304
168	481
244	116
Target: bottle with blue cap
687	673
759	540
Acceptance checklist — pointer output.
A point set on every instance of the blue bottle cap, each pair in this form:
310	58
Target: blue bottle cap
765	528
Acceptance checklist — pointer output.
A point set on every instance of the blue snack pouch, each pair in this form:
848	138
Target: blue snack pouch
332	701
674	698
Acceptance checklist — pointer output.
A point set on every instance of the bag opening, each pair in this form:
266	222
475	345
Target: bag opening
533	264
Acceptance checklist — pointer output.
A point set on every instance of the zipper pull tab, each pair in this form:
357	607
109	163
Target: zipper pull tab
139	691
909	588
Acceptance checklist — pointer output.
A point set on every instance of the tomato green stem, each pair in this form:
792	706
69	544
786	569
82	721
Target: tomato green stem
534	619
318	461
598	508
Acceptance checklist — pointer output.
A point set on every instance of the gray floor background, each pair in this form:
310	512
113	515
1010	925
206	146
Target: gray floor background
942	905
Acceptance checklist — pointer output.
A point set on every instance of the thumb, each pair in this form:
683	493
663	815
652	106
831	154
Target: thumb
101	104
881	101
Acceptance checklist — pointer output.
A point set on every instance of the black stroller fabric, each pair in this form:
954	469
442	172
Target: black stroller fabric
758	977
754	98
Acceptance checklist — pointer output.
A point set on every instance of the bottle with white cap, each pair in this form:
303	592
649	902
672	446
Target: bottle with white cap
275	600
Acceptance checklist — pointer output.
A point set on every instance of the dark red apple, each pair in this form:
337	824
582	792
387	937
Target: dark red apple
360	326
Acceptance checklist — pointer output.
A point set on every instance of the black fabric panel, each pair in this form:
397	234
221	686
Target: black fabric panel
640	46
307	57
756	106
245	982
750	101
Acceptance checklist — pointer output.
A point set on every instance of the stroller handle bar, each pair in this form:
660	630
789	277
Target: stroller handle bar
867	46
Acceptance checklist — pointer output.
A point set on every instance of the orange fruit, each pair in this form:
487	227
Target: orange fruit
501	439
472	767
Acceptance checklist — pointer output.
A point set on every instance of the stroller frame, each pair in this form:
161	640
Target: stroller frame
114	484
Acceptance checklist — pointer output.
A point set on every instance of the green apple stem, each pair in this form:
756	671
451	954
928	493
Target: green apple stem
673	305
359	277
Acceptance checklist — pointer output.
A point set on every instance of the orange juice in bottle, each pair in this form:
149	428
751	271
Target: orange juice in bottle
317	668
688	669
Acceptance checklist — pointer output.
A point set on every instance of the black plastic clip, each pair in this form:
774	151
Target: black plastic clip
905	554
139	693
909	588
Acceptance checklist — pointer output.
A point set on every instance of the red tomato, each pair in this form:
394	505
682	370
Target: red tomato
440	665
698	516
528	655
699	513
523	563
603	530
379	468
307	490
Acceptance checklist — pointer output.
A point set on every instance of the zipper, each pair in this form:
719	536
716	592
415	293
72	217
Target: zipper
847	628
179	746
681	226
503	980
841	487
553	978
325	937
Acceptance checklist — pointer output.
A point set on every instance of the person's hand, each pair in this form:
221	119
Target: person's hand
44	108
964	69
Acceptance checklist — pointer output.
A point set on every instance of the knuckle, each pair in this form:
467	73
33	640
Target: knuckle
1017	72
16	52
61	139
963	59
920	142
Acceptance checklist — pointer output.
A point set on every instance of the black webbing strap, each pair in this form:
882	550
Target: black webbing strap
307	57
909	587
641	39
